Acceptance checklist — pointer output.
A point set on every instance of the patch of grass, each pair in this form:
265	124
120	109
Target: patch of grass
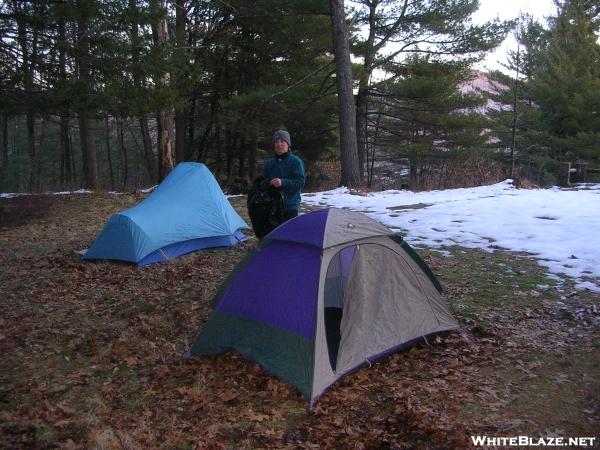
554	392
476	279
44	433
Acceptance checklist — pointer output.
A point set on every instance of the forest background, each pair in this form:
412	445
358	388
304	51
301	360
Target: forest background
111	94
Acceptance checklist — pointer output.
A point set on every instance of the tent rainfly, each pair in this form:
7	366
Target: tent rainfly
186	212
322	295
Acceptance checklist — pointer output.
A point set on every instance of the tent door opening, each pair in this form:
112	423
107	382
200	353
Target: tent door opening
335	283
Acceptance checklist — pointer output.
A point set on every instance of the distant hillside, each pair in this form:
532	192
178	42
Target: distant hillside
481	83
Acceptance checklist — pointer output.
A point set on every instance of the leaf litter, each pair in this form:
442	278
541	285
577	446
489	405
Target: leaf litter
92	353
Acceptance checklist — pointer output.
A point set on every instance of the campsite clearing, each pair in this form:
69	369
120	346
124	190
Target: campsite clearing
92	352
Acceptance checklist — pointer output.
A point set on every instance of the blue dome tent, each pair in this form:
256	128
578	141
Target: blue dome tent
186	212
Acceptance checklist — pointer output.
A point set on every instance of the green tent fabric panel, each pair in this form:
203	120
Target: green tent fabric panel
280	352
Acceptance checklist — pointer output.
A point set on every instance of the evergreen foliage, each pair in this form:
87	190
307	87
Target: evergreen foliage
566	82
436	31
94	96
552	92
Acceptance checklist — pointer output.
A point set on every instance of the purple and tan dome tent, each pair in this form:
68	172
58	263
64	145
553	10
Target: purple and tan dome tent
322	295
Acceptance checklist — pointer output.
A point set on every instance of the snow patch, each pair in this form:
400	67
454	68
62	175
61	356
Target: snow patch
493	217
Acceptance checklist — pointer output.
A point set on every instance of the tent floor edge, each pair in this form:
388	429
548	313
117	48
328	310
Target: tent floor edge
177	249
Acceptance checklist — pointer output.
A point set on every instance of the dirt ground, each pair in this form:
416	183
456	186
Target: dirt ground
21	210
92	353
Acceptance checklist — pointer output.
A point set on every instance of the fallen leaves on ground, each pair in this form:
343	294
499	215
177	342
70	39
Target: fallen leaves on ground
92	356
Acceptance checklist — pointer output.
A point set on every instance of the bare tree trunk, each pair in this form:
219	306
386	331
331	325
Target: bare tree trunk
4	146
88	151
28	46
32	151
229	143
166	141
138	81
65	144
191	125
181	112
123	153
219	155
42	145
88	147
363	91
73	167
241	154
159	138
148	152
348	147
110	166
180	134
372	151
253	149
167	160
515	115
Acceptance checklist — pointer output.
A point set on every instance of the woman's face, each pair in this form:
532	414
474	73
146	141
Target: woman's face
281	146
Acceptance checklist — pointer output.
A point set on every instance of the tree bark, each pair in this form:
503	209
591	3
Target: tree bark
166	142
108	155
229	143
190	130
65	141
348	147
32	151
148	152
4	146
139	81
515	116
42	145
27	69
216	142
241	154
66	155
123	153
88	151
253	149
180	134
371	163
88	147
181	112
165	145
363	91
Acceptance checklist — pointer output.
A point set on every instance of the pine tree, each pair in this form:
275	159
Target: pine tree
566	82
348	149
439	29
516	130
422	114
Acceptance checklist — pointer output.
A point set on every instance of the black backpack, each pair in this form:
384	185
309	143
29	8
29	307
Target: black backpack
265	207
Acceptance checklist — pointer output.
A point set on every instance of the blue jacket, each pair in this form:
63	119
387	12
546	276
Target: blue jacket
290	169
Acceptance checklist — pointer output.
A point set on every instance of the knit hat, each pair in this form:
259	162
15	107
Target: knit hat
283	135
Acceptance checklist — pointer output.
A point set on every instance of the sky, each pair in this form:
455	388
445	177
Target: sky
504	10
559	228
509	9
